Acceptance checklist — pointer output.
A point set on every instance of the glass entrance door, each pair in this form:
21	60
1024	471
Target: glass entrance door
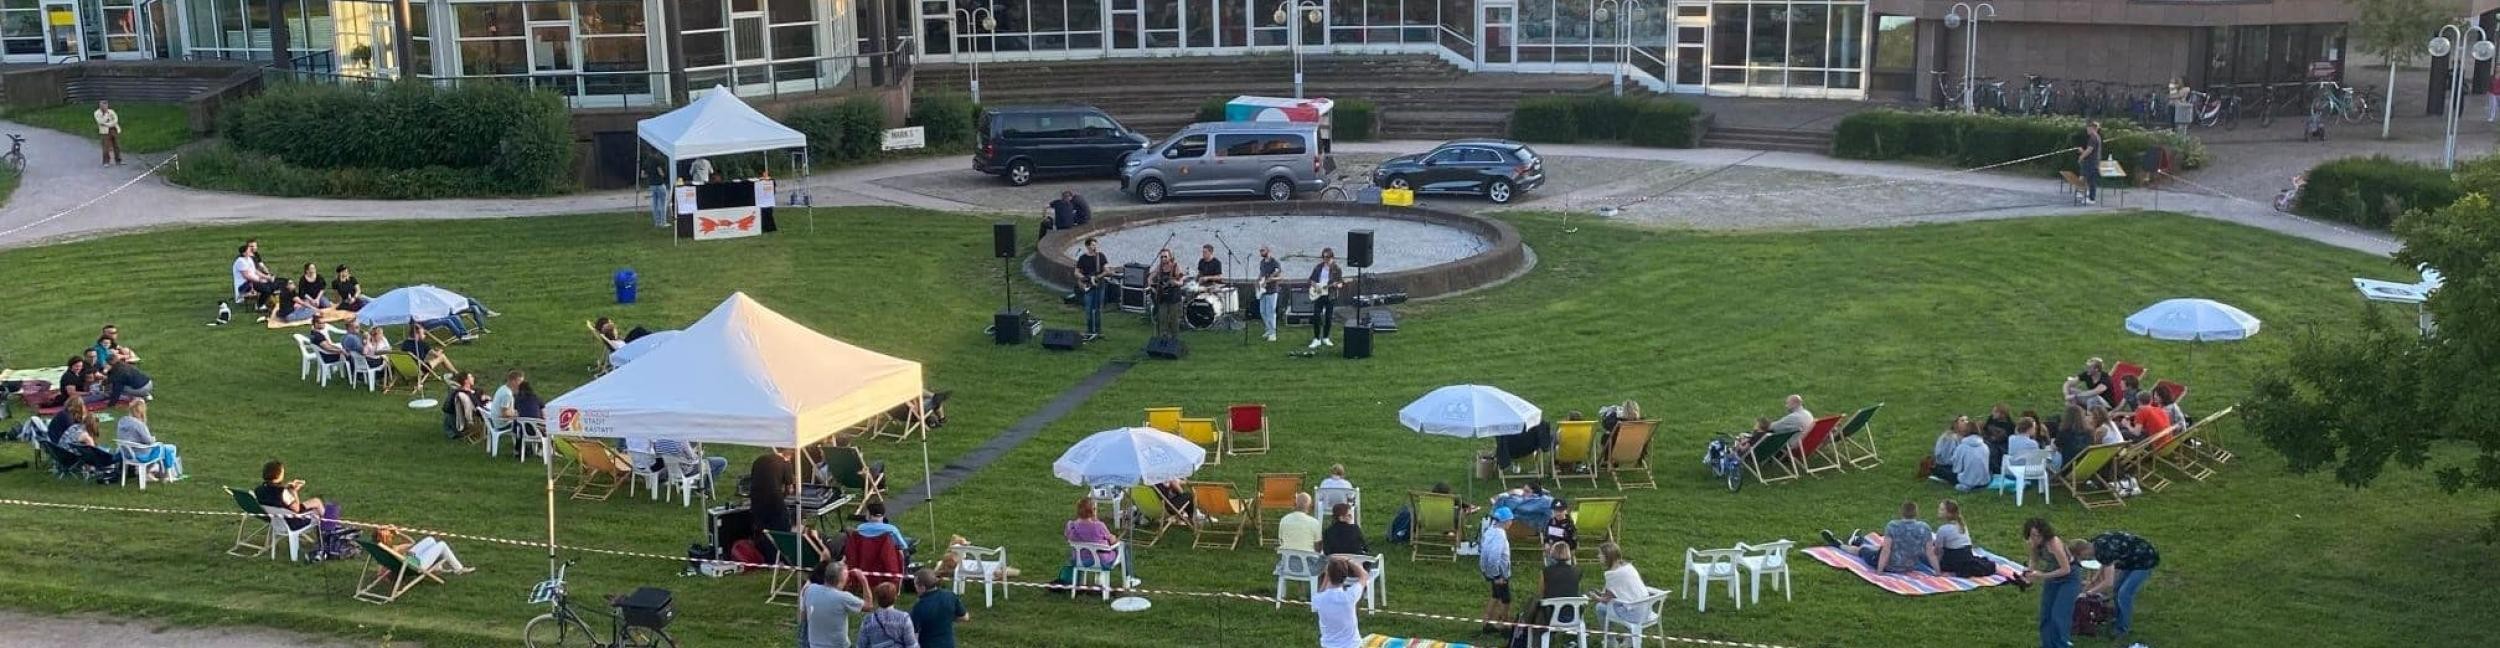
123	33
1126	23
60	33
1497	25
1692	47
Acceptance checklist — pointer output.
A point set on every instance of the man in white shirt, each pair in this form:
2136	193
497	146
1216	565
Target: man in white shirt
109	125
1797	418
1298	530
700	171
1341	587
501	404
247	272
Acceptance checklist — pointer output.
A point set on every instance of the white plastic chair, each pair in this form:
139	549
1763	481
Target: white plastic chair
1769	558
294	537
1570	615
533	432
496	428
140	471
644	475
304	347
681	477
1706	565
1652	608
1297	566
2026	468
366	370
1090	560
985	564
1376	589
1327	499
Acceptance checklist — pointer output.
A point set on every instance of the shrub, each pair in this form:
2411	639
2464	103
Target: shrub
1212	110
1544	120
1661	123
220	166
1604	117
354	140
2371	192
840	133
1354	120
1987	140
948	118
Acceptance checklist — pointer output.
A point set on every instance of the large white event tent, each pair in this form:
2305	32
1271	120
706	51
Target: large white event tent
742	375
717	123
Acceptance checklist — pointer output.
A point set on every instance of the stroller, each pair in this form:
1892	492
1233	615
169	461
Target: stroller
1724	463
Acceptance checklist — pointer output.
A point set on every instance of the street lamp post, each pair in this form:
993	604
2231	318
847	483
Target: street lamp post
987	22
1311	10
2472	41
1623	55
1964	12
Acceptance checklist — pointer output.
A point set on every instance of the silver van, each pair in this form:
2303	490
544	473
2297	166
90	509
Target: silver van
1272	159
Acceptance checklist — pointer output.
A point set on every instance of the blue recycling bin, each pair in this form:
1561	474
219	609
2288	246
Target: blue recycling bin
626	283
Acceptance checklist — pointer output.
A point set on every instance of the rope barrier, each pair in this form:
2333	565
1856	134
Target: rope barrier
1228	596
91	201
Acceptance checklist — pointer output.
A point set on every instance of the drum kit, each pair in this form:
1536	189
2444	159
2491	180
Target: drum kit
1207	306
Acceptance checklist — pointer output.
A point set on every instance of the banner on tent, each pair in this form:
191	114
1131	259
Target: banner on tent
725	210
574	421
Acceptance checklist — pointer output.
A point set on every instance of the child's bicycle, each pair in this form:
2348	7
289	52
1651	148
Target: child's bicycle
565	627
1723	462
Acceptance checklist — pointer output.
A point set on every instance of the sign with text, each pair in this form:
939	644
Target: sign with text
906	138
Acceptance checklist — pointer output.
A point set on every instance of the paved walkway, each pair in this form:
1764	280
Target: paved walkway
65	197
25	630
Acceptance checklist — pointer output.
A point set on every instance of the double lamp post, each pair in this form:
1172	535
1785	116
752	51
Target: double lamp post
987	22
1954	17
2471	41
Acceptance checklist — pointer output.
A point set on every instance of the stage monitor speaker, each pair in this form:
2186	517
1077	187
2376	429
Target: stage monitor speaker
1003	239
1060	339
1358	248
1358	342
1166	348
1008	327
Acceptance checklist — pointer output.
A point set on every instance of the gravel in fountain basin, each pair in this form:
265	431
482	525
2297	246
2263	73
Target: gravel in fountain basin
1740	198
1296	240
1563	175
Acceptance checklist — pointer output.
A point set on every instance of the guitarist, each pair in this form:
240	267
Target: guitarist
1166	282
1092	268
1271	273
1326	278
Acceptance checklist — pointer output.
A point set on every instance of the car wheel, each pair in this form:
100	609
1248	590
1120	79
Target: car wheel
1498	191
1020	173
1151	191
1399	182
1279	190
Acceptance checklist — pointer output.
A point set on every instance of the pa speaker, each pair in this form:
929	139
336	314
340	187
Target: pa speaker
1003	239
1166	348
1059	339
1008	327
1358	342
1358	248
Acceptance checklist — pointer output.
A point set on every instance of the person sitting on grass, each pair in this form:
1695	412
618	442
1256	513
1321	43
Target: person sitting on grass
1970	462
350	292
1955	553
1940	458
133	429
1907	546
297	307
424	553
885	626
108	346
1530	503
275	490
125	381
76	380
1343	536
1995	431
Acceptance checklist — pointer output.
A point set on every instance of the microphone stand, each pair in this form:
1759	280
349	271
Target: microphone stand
1231	265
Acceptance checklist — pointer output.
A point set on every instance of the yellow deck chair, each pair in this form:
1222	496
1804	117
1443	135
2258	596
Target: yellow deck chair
1167	419
1227	516
1202	432
1600	520
1575	451
2082	475
1151	508
1437	526
1627	455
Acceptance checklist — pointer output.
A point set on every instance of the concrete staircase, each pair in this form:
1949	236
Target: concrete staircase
141	89
1419	97
1816	141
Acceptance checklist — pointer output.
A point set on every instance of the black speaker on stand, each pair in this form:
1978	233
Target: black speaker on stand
1358	253
1358	248
1010	325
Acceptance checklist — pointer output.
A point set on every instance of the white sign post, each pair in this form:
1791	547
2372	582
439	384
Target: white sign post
906	138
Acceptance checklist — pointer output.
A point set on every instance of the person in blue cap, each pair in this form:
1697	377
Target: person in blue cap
1493	558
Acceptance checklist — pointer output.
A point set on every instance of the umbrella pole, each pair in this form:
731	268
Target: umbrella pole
551	516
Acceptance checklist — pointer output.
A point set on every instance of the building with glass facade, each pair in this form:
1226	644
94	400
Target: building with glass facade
648	51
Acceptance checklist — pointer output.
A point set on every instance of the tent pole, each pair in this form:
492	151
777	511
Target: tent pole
798	506
927	485
551	516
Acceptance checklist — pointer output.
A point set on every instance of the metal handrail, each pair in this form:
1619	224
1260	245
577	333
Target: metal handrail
653	84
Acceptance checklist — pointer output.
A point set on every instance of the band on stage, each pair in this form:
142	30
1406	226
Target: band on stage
1202	299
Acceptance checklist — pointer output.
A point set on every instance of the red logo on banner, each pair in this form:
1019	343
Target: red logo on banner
569	420
710	225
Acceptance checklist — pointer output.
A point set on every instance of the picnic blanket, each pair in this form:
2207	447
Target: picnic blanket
1916	584
47	375
1380	641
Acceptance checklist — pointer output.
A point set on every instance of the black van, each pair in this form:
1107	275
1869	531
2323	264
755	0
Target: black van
1021	142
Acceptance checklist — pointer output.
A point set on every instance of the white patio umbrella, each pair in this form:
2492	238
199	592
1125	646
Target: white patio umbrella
1129	456
639	346
2193	320
411	304
1470	412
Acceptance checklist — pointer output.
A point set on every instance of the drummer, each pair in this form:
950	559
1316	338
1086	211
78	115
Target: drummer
1210	269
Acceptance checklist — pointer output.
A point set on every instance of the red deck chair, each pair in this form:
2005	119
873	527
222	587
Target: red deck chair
1817	445
878	555
1248	426
2170	392
2118	381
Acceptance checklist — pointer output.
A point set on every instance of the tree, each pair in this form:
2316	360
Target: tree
2397	32
2355	400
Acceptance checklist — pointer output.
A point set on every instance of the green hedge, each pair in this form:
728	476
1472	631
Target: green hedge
841	133
1353	120
949	119
2371	192
220	166
1643	121
1212	110
1966	140
517	141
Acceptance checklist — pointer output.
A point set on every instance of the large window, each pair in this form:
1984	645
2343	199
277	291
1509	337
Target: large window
239	29
1788	48
1052	28
21	27
763	45
2255	54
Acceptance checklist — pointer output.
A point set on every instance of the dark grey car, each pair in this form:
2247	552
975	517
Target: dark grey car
1497	169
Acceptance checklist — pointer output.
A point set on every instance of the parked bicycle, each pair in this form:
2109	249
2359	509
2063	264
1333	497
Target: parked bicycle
565	627
2348	104
16	159
1348	187
2215	110
2037	95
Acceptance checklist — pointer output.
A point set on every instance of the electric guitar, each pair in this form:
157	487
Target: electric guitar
1321	290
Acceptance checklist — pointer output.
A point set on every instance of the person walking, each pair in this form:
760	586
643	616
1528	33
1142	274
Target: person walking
2182	105
2126	562
2491	100
2088	161
109	125
2053	569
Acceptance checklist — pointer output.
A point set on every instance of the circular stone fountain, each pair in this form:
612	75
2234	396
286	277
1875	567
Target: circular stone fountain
1422	252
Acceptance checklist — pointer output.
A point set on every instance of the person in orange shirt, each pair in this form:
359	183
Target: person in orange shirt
2151	417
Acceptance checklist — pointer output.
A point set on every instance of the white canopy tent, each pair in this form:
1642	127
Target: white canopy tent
717	123
742	375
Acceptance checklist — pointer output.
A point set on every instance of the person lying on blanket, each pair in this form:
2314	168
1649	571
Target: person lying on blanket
1907	545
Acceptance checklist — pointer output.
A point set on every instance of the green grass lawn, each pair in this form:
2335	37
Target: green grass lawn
1707	331
146	127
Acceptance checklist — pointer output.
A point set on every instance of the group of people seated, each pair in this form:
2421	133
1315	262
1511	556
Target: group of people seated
513	402
2099	409
73	440
1542	437
1559	576
1909	545
98	379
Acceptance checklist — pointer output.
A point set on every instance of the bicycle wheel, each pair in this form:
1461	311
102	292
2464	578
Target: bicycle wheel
15	160
1334	193
2265	113
552	631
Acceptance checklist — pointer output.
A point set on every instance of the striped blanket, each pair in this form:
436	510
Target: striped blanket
1916	584
1378	641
